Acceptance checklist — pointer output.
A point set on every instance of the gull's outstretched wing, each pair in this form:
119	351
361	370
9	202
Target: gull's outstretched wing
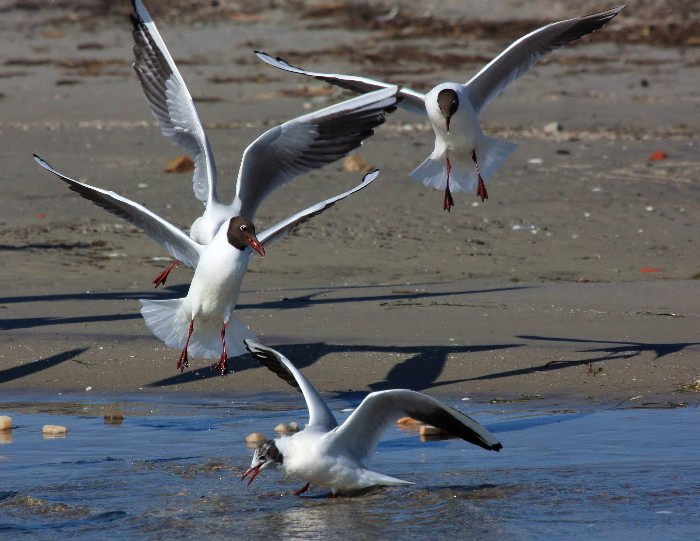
172	238
285	226
170	101
359	434
524	53
306	143
319	414
412	100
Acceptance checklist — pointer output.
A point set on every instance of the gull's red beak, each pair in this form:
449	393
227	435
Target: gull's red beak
255	470
255	244
447	122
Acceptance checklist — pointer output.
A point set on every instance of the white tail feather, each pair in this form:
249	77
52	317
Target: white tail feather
490	153
169	320
236	332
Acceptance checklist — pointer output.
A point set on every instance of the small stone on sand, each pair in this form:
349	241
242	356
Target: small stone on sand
54	430
5	422
286	429
356	164
428	430
181	164
407	421
114	418
552	127
255	438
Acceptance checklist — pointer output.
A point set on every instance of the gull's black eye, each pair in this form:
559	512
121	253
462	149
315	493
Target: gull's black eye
243	228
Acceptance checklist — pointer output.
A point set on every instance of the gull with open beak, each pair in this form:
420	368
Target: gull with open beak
278	156
202	323
331	456
463	157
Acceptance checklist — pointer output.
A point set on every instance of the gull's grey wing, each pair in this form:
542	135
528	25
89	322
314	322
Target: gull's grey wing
359	434
524	53
170	101
412	100
306	143
285	226
319	414
172	238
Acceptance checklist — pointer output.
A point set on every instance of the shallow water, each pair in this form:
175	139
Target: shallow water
171	470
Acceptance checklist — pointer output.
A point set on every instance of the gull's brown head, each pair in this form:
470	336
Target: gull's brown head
241	234
448	102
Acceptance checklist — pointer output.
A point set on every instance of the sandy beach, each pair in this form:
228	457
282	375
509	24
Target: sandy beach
577	278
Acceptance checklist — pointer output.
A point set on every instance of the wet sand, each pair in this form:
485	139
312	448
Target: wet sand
575	279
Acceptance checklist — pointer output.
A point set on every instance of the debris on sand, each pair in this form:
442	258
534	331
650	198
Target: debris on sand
255	439
54	431
5	422
287	428
181	164
356	164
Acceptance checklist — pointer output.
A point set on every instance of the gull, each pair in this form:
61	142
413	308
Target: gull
275	158
332	456
463	157
197	324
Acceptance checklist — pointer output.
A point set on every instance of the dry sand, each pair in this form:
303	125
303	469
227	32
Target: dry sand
541	290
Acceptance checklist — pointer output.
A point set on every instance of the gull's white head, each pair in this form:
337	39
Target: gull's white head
264	457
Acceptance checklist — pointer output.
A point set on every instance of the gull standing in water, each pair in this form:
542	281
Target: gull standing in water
464	158
197	324
275	158
330	455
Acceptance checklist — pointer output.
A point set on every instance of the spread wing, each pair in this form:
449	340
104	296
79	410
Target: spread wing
524	53
307	143
319	414
170	237
170	101
412	100
359	434
285	226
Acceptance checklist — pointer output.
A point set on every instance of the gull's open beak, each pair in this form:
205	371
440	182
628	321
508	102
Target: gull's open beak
255	244
255	470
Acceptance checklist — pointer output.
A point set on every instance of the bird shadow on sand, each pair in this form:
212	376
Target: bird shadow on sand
419	371
610	350
181	290
27	369
311	299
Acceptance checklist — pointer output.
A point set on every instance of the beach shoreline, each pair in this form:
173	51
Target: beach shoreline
576	280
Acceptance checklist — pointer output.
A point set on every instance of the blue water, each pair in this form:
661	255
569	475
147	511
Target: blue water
171	470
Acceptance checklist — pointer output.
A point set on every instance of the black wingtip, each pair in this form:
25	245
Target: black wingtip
41	161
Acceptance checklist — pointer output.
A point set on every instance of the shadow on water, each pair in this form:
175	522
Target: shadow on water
27	369
181	290
617	350
418	372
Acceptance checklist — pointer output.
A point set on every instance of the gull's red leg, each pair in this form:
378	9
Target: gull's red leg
302	489
449	202
163	276
481	189
183	361
221	365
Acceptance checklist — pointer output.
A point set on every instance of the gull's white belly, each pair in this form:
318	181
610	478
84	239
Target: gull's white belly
217	281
